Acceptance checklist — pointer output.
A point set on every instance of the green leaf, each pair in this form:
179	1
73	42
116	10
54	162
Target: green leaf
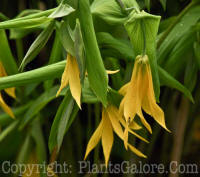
87	94
3	17
65	113
142	29
178	32
55	56
24	150
66	38
37	45
38	105
190	77
163	3
168	80
123	47
64	120
37	135
177	58
110	11
148	4
24	17
18	33
6	56
96	72
8	130
79	49
197	52
24	23
114	97
62	10
18	112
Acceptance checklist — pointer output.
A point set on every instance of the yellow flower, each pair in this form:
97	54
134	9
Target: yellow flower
9	91
71	76
111	121
139	94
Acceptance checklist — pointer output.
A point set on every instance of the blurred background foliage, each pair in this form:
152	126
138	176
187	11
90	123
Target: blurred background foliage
36	106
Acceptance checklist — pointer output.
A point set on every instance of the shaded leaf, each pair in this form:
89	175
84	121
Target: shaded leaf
6	55
62	10
37	45
168	80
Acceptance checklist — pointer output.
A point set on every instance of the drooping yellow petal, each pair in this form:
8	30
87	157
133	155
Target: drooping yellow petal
114	119
144	122
11	92
74	80
136	151
5	107
150	105
94	139
138	136
126	136
65	77
113	116
107	136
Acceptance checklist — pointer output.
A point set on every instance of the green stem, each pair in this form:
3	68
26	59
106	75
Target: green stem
165	34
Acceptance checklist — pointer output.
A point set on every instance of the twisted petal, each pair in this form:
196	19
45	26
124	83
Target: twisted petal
107	136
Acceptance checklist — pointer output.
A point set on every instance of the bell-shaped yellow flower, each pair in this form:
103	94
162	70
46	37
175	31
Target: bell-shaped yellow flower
111	121
71	76
9	91
139	94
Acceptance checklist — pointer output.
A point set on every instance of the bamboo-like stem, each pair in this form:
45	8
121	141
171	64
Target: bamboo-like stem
181	121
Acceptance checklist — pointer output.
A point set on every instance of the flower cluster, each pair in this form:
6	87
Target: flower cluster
138	95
